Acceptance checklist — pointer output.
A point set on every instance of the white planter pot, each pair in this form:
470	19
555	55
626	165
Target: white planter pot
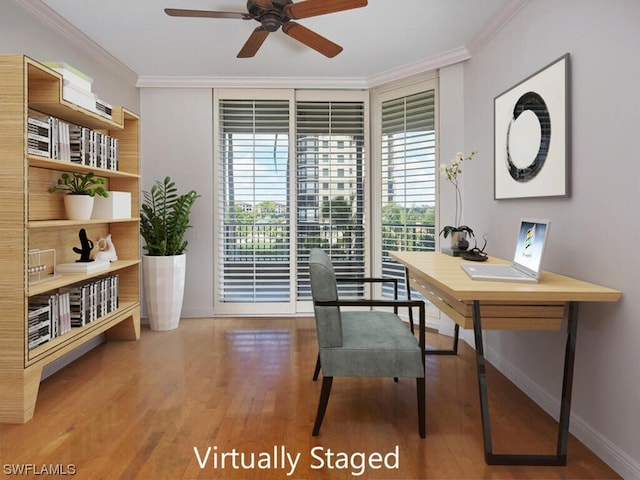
78	207
163	280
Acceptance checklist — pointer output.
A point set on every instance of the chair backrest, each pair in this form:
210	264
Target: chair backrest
324	288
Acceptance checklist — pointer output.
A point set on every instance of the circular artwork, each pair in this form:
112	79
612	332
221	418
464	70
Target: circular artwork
529	102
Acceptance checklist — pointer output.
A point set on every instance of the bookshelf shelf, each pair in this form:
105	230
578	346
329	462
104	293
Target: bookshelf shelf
65	279
31	220
43	162
87	332
36	224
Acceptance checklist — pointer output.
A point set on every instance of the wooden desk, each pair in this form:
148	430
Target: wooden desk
505	306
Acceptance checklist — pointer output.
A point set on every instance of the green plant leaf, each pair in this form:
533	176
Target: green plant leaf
164	218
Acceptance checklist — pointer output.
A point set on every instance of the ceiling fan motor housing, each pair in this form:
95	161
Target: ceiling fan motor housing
270	21
271	17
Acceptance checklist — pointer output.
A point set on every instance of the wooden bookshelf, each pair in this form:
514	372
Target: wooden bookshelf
32	218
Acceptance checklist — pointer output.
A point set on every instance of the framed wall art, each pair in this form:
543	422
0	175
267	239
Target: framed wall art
532	135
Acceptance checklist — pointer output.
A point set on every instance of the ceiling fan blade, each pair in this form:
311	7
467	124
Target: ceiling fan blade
178	12
253	43
311	39
312	8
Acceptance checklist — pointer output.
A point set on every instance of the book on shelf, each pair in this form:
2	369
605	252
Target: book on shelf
72	75
104	109
39	325
49	317
38	134
51	137
83	267
77	96
92	300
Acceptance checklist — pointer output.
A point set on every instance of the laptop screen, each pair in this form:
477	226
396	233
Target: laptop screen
530	246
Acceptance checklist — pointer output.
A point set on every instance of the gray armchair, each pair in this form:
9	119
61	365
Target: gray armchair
371	343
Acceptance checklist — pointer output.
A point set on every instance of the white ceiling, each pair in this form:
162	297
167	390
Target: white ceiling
384	37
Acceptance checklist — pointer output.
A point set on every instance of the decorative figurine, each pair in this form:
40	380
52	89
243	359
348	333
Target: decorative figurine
85	247
106	250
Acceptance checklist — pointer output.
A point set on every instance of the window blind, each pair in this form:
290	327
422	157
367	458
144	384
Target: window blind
408	146
330	189
254	217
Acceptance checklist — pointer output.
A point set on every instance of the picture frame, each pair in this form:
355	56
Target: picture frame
532	135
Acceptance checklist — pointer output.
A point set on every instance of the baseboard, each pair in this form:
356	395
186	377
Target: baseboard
612	455
66	359
202	312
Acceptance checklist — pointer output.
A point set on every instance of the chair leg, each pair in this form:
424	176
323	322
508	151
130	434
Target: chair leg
317	370
322	405
420	385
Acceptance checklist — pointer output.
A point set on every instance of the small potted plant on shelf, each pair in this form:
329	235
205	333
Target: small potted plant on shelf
81	189
458	232
164	219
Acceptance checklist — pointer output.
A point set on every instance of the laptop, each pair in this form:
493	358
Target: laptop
527	260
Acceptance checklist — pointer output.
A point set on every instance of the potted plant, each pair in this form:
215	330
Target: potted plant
458	232
81	189
164	219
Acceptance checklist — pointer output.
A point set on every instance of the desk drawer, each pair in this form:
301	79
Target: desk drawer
495	315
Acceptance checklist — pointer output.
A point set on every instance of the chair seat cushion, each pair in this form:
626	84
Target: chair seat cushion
374	344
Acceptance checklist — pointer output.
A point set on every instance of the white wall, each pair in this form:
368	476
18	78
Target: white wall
20	33
593	233
177	140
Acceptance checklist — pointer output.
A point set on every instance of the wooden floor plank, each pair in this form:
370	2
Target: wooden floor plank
138	410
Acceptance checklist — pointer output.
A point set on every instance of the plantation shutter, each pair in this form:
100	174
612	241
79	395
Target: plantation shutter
408	178
330	188
253	189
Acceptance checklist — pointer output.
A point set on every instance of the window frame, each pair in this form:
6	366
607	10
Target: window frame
293	306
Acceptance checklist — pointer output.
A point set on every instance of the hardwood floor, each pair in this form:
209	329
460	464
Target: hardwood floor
161	407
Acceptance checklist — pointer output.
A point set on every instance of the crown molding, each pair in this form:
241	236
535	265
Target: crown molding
61	26
436	62
406	71
497	23
251	82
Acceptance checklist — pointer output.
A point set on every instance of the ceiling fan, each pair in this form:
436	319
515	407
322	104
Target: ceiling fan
273	14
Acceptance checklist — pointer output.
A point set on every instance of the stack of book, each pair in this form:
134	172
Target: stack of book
49	317
92	148
39	325
52	315
77	89
92	300
53	138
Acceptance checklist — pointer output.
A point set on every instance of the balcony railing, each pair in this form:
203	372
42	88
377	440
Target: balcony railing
257	257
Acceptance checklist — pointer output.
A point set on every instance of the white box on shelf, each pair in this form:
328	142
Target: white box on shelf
79	97
74	76
116	205
83	267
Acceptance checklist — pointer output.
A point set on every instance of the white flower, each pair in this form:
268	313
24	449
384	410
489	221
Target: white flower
451	171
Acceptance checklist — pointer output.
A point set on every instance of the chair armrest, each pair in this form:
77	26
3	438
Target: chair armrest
371	280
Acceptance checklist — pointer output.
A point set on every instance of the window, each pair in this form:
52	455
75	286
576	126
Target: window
323	128
408	177
253	201
277	198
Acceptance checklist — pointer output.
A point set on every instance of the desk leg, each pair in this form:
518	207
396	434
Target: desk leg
560	459
456	331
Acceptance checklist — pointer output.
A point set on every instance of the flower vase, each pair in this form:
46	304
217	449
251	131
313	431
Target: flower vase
459	241
78	207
